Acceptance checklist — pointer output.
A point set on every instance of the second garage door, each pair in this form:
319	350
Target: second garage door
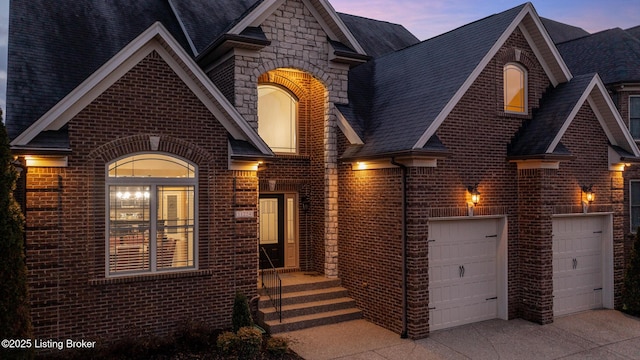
463	271
578	277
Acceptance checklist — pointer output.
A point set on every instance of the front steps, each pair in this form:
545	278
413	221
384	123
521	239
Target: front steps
307	302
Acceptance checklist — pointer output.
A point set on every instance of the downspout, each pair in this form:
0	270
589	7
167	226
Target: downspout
404	334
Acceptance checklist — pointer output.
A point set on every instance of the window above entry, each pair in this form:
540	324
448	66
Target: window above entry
515	89
278	118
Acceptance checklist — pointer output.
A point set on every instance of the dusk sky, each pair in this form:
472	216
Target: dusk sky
428	18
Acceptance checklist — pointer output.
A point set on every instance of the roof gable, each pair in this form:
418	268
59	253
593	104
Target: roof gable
541	136
206	21
402	98
157	39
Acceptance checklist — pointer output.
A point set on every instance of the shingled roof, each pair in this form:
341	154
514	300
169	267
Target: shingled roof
394	99
205	21
536	136
55	45
617	59
561	32
376	37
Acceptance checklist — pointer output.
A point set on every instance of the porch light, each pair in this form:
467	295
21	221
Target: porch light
475	198
305	203
587	197
475	195
587	194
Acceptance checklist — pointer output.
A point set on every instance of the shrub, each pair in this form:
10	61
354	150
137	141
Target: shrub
195	336
14	298
277	346
241	315
227	343
249	342
631	294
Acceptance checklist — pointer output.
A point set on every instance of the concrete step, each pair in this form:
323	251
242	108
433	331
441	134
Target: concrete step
305	296
307	308
321	283
307	321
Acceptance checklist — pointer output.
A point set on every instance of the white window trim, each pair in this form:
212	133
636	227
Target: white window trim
629	115
153	183
526	89
297	119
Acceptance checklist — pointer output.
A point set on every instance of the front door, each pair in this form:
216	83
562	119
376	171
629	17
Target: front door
272	230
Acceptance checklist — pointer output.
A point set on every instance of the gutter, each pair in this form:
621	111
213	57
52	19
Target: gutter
404	334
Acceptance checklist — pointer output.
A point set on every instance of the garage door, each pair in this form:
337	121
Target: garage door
577	263
462	272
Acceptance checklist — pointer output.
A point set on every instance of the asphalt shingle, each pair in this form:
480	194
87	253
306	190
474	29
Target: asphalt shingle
395	98
537	134
55	45
614	54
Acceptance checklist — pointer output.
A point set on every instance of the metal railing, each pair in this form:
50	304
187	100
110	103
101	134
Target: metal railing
272	284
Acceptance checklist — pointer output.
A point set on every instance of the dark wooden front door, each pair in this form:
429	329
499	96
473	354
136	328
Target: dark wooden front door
272	230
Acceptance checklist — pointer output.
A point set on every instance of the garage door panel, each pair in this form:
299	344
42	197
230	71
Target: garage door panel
577	263
462	272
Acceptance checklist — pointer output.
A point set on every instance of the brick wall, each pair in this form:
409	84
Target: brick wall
71	296
476	133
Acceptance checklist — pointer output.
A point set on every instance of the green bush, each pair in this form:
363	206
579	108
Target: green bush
227	342
249	342
14	297
241	315
631	294
277	346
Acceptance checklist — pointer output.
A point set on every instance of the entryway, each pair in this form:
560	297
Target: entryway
467	270
582	263
279	237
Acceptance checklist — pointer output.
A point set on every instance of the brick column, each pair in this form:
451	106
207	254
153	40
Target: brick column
535	243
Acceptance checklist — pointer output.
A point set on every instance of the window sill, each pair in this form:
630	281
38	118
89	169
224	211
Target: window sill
126	279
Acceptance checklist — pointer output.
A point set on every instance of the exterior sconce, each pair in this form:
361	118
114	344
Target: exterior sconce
587	197
475	198
305	203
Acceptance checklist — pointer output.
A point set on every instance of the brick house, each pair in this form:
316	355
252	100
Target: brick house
467	177
617	61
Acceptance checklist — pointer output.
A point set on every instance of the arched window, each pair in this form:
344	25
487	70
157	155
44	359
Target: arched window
278	118
150	214
515	89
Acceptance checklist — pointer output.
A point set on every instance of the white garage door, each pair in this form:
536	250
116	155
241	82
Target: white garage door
462	272
577	263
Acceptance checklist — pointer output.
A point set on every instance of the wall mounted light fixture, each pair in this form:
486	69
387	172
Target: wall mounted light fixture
475	198
587	197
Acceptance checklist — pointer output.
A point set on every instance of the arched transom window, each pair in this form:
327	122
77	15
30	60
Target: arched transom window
278	118
515	89
151	209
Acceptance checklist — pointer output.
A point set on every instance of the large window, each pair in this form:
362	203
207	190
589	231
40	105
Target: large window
151	214
634	116
635	205
278	118
515	89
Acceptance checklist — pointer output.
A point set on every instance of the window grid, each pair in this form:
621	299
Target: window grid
142	207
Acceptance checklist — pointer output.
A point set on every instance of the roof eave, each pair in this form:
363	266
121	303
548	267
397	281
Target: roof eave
227	42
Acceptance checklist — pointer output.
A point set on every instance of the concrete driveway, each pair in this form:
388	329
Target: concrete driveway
596	334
